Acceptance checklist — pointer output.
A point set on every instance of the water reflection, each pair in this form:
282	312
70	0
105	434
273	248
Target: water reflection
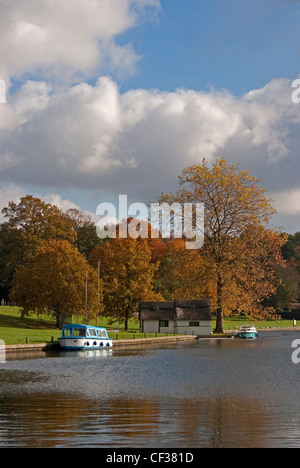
56	421
86	354
205	394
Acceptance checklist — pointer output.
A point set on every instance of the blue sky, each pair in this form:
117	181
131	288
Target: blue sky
117	97
238	45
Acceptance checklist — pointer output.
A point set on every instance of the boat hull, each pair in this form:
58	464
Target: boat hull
247	335
84	343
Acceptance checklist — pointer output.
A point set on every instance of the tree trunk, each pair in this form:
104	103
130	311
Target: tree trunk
126	319
220	316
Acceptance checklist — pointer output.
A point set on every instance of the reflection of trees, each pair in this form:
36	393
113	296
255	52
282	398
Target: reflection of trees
51	420
45	420
217	422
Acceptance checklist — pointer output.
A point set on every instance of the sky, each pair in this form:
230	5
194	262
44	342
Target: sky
113	97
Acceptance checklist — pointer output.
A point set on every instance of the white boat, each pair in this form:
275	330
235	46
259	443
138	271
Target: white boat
247	332
79	337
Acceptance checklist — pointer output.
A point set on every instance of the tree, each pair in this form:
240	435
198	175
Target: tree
180	273
28	224
12	253
288	288
85	229
38	221
55	281
237	240
127	274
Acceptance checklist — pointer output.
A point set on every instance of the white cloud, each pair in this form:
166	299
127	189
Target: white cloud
15	193
66	38
89	136
56	134
9	193
66	204
95	138
287	202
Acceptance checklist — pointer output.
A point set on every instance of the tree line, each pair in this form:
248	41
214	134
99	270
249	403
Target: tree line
49	256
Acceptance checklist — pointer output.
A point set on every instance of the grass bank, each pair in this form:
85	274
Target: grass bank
234	323
42	329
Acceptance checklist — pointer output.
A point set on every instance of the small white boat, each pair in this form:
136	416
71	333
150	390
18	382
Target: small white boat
247	332
79	337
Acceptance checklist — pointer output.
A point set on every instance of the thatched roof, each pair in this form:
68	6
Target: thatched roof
177	310
193	310
157	311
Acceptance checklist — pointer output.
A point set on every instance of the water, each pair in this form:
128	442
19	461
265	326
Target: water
209	393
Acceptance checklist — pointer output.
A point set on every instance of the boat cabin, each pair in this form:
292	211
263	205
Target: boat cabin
75	336
83	331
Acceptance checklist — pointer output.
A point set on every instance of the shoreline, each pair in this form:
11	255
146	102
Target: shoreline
133	343
45	347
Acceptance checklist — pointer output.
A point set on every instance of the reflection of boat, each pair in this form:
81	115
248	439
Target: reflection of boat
247	332
87	354
76	337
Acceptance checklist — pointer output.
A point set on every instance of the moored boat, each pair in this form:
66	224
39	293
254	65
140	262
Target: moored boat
79	337
247	332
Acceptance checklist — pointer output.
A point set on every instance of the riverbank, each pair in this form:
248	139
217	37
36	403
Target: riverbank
40	332
119	344
28	349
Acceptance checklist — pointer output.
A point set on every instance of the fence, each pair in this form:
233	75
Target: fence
4	303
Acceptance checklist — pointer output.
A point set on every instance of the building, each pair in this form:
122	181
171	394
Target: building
178	317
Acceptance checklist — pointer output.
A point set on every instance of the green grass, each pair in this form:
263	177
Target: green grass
41	329
234	323
13	330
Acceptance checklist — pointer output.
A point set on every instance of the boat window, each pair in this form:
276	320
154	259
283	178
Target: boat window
92	332
67	332
78	332
101	333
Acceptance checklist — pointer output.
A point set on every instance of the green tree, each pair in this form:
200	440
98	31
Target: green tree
288	288
85	229
12	253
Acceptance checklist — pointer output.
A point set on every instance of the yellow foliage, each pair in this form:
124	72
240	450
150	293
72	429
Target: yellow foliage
239	248
54	282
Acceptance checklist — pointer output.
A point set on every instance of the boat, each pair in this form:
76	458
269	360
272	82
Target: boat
81	337
247	332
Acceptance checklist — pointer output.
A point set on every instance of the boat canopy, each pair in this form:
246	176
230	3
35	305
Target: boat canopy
83	331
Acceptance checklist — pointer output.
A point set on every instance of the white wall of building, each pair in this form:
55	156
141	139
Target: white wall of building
182	328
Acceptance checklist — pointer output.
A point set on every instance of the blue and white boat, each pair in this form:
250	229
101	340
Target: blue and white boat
79	337
247	332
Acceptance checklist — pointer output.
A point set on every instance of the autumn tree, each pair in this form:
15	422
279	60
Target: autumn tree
127	274
180	272
55	282
38	221
238	244
27	225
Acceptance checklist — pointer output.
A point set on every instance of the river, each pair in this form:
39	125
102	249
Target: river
206	394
